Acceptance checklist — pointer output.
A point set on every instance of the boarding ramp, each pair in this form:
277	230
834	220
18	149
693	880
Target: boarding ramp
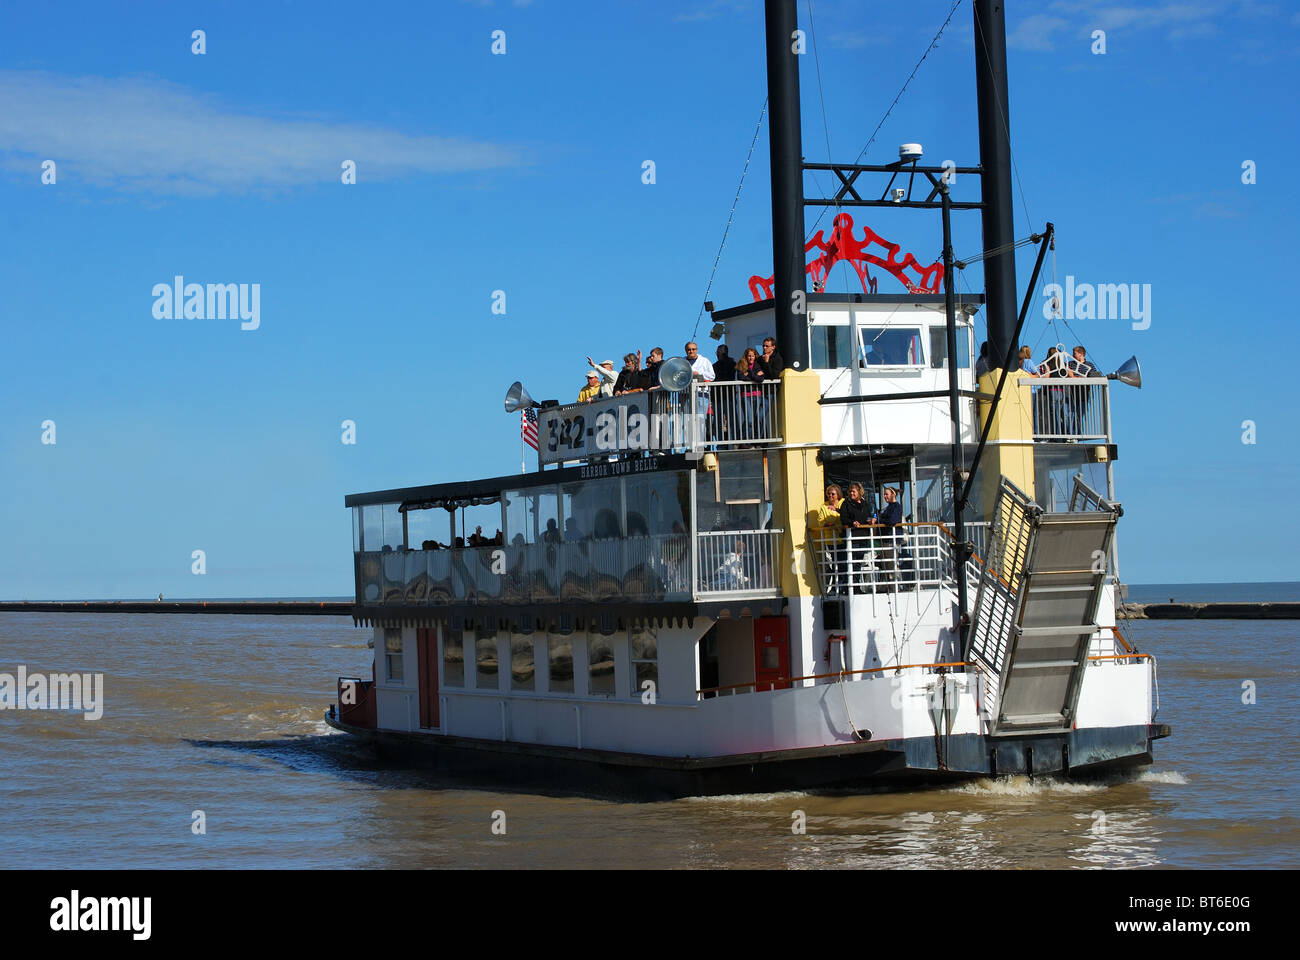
1036	607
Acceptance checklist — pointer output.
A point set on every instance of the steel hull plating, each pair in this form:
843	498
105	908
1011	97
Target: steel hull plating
874	764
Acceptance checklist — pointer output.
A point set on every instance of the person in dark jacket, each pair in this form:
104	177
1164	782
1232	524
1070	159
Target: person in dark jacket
631	377
770	362
724	370
855	516
769	370
1080	366
889	519
724	366
650	375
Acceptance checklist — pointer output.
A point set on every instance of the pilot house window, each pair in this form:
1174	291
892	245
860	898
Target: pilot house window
831	347
892	347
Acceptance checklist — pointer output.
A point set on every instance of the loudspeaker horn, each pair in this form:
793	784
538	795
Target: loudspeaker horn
517	398
675	374
1130	373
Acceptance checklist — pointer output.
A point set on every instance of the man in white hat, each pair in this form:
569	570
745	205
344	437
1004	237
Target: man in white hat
592	390
605	371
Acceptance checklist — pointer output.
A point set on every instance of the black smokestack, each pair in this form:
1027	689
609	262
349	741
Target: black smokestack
786	141
995	157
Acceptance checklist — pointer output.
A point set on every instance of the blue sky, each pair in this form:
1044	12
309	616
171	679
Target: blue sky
522	172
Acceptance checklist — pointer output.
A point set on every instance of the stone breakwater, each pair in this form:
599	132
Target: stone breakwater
296	608
1210	611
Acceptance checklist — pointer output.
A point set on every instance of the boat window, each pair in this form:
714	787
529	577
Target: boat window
559	651
453	658
523	667
892	347
737	495
422	525
831	347
645	664
532	515
393	654
939	348
1055	467
372	527
394	538
485	666
600	665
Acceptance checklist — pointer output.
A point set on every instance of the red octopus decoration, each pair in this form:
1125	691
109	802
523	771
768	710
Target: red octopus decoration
843	246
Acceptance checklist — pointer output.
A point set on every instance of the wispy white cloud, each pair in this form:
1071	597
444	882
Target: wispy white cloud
854	41
150	135
1036	32
713	9
1175	19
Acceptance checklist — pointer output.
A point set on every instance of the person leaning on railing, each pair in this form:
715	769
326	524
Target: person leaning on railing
770	365
605	371
1080	366
826	524
630	379
855	517
747	406
592	390
890	517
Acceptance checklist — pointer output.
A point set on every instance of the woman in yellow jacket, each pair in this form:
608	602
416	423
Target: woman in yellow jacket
827	523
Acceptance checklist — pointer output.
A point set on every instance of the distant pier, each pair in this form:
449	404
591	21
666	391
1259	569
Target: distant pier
343	608
1211	611
293	608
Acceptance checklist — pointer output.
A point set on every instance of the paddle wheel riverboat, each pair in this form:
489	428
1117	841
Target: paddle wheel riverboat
662	612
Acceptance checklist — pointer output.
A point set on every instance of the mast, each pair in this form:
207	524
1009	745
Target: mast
997	215
786	141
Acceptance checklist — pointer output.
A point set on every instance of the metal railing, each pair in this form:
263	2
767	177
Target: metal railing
1070	408
740	412
999	577
653	568
881	559
738	563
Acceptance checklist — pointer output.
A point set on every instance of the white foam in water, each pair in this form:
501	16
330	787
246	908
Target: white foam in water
1022	786
1160	776
751	798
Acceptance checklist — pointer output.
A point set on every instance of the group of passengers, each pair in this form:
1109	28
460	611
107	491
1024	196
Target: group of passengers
742	414
860	539
1057	409
476	539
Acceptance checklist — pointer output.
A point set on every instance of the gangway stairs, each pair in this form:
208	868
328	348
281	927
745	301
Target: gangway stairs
1035	611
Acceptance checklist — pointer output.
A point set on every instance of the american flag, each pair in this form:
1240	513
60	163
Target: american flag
528	426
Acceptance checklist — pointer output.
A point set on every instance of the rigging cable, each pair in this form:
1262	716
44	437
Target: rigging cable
730	216
1007	130
933	43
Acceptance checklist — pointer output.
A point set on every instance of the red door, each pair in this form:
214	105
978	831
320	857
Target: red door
427	644
771	653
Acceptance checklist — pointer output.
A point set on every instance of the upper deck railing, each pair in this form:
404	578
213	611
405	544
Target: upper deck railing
704	416
1074	408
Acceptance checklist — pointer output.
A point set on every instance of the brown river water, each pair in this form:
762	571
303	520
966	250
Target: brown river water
221	714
